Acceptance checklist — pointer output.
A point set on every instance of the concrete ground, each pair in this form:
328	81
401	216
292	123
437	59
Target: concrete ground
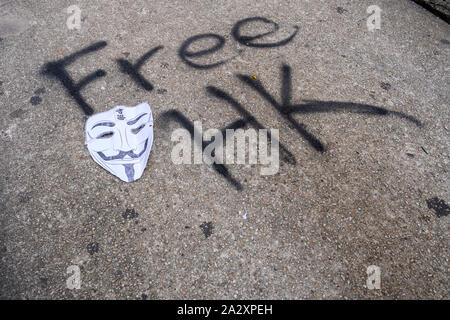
441	8
369	184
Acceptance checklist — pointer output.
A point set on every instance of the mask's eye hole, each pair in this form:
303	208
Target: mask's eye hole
105	135
136	131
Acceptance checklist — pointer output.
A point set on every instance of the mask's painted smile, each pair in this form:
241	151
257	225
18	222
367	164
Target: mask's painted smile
122	154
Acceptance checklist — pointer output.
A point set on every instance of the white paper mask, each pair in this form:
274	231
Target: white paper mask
120	140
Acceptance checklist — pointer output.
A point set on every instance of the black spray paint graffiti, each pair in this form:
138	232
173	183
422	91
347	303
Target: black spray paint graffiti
58	69
133	69
286	109
180	118
249	40
284	106
184	52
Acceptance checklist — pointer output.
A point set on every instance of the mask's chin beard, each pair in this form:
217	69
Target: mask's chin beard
129	171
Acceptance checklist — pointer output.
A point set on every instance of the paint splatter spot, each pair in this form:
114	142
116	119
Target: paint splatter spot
130	214
340	10
439	206
92	248
35	100
386	86
207	228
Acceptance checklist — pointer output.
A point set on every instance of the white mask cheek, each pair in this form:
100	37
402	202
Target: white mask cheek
103	138
144	134
100	145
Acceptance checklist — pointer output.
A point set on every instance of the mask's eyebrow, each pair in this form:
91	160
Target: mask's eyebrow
106	124
135	120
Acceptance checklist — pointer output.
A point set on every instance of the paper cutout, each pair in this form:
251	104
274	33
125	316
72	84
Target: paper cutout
120	140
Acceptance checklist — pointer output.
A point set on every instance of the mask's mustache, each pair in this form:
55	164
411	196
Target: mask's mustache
123	154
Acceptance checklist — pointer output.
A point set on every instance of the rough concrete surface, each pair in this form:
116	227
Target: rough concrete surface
377	192
439	7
